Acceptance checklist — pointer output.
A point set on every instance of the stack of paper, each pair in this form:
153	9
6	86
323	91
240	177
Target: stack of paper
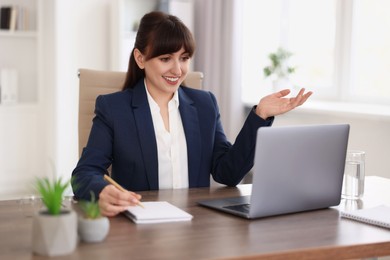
156	212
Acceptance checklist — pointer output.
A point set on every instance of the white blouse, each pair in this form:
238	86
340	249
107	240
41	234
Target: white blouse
171	146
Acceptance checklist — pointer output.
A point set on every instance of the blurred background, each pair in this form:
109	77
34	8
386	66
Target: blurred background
337	49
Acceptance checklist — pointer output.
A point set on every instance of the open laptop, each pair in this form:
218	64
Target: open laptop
296	168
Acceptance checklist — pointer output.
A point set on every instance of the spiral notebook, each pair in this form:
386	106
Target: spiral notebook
379	216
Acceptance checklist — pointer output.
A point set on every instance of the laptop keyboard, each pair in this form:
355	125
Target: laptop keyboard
240	208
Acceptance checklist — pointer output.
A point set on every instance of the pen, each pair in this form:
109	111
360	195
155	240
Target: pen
110	180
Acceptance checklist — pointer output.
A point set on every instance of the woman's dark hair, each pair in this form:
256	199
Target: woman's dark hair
159	33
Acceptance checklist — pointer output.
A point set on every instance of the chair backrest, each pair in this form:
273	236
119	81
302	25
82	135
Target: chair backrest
96	82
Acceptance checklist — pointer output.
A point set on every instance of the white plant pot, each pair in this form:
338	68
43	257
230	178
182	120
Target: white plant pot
93	230
54	235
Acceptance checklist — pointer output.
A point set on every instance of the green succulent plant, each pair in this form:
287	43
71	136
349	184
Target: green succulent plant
278	65
52	193
90	207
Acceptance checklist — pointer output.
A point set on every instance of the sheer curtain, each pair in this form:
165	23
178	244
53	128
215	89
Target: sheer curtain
218	35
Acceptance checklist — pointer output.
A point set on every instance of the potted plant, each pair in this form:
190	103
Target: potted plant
92	226
54	228
279	69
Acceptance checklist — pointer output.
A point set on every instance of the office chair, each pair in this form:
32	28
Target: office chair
96	82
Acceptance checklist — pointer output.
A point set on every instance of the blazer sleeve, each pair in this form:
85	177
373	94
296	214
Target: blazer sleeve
96	156
232	162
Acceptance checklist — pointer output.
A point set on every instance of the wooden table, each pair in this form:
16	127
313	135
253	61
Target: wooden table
320	234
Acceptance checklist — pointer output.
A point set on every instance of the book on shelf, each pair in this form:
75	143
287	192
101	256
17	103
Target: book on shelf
379	216
13	18
22	23
156	212
5	17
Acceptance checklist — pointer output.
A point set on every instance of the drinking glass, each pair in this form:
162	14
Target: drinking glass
29	205
353	183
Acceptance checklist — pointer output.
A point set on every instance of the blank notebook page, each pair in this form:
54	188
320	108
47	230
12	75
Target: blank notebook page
156	212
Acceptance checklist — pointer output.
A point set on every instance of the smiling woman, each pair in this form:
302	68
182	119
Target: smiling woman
159	134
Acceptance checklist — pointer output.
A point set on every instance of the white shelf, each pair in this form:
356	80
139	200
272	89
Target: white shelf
18	108
18	34
22	130
20	51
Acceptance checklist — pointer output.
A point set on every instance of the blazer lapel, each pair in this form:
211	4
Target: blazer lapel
189	117
145	129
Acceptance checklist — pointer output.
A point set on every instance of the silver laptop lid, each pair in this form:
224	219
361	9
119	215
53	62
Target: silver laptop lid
298	168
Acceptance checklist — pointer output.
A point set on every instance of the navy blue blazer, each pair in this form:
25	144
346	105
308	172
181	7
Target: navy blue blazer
122	136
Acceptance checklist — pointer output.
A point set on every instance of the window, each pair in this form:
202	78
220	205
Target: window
340	48
371	51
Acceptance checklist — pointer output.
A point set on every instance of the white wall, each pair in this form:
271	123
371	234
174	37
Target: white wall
19	139
81	37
